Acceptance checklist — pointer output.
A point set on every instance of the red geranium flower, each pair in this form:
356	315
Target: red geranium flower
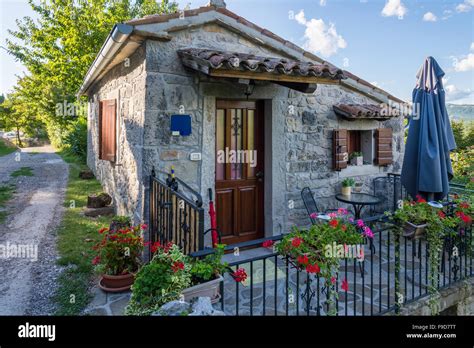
96	260
313	268
144	226
464	205
102	230
178	265
466	218
155	246
343	227
267	243
296	242
441	214
240	275
420	199
345	285
334	223
333	280
302	259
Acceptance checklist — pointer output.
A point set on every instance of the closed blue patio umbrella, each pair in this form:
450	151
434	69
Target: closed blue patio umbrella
427	167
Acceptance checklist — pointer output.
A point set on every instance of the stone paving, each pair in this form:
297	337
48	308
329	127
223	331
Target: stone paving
107	303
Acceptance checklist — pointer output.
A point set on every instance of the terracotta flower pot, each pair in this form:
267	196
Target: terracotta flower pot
413	231
208	289
116	283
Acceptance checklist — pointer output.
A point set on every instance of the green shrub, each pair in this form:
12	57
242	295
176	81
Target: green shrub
75	138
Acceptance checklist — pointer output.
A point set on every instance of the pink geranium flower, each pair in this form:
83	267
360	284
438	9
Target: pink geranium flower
360	223
368	232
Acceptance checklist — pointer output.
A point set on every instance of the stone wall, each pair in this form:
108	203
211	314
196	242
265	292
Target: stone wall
457	299
123	179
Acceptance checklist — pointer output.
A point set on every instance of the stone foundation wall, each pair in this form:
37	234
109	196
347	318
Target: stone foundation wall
455	300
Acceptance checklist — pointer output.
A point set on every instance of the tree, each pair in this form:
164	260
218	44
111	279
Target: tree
58	48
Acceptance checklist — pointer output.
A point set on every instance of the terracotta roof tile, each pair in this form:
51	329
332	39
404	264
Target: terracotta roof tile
206	58
366	111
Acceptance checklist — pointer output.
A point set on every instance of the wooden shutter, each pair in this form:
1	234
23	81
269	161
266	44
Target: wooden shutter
383	143
107	135
340	156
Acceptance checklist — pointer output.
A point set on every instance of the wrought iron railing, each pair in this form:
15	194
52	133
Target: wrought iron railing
275	286
176	213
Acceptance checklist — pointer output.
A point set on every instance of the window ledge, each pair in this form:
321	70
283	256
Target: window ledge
365	169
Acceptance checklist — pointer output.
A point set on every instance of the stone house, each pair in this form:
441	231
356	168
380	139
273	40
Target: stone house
297	118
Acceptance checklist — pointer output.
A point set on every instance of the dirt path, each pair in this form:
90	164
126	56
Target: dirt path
27	284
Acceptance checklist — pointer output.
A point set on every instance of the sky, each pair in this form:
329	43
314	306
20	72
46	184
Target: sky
382	41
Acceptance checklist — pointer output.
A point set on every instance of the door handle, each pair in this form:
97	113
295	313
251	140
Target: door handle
259	175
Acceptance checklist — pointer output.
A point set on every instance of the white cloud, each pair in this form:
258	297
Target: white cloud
464	64
322	2
430	17
300	17
453	93
472	46
447	14
320	37
394	8
465	6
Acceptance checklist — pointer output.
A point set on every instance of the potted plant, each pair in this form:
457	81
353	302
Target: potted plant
312	250
413	216
347	184
416	219
356	158
358	187
206	274
171	275
118	257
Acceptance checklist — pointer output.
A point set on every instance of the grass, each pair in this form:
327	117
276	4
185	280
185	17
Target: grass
23	171
76	236
6	148
6	193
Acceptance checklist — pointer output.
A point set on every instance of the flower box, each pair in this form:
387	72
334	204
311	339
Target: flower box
208	289
411	230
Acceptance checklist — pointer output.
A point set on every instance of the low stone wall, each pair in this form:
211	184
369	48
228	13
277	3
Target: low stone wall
457	299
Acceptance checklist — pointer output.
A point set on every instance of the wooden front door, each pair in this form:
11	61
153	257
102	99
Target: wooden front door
239	170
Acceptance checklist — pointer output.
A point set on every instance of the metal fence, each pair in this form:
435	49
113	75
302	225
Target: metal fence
275	286
174	216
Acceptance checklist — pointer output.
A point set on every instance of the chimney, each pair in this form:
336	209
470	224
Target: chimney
217	3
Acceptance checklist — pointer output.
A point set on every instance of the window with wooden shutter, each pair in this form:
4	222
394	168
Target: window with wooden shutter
340	156
107	134
383	141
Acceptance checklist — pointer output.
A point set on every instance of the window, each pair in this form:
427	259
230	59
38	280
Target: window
375	147
107	130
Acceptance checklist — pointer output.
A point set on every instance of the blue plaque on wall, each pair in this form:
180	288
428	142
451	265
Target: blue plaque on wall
181	124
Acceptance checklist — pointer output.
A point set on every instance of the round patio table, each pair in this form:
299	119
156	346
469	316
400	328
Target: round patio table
358	201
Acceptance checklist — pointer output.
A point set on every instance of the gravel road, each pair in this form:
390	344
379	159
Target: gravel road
34	213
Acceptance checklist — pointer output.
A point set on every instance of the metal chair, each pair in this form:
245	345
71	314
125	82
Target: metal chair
310	204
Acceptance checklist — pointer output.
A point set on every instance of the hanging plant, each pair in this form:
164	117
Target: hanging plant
437	226
318	250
